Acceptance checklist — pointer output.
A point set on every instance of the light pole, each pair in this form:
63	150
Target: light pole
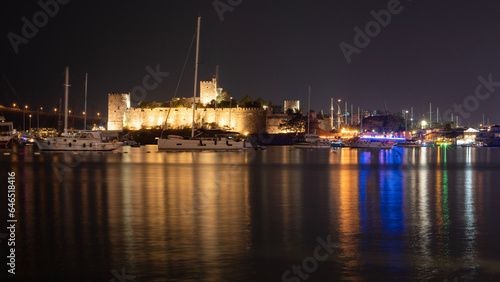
29	130
230	105
24	118
406	121
38	120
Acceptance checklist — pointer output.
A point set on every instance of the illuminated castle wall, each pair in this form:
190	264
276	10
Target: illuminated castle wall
251	120
121	115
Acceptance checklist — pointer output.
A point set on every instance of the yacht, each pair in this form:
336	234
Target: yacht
373	141
490	138
89	140
85	140
218	142
6	132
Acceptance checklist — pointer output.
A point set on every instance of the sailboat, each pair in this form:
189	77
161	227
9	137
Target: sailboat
222	141
312	141
85	140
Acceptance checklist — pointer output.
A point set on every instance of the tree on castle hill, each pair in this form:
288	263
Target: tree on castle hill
211	104
259	101
153	105
224	96
226	104
295	123
245	102
143	104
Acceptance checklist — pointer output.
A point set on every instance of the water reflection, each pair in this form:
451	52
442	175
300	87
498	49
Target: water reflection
421	213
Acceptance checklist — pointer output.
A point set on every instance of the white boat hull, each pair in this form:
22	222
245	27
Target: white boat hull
311	146
72	144
195	145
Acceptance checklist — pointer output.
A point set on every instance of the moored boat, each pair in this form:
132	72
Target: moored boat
218	142
86	140
490	138
89	140
337	143
409	144
317	144
373	141
6	132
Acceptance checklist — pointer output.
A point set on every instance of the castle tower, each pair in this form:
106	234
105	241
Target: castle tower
207	91
118	109
292	104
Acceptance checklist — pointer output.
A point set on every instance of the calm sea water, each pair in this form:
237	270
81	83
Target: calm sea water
277	215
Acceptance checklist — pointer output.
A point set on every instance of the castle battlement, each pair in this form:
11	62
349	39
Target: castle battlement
240	119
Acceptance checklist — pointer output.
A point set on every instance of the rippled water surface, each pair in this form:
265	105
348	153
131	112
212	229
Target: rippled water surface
276	215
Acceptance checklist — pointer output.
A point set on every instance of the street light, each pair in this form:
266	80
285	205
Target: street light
38	120
29	130
424	123
406	121
24	117
14	105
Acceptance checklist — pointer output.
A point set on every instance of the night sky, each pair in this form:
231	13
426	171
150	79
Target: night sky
430	51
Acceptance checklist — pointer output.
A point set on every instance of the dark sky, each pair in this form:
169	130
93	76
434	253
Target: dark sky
431	51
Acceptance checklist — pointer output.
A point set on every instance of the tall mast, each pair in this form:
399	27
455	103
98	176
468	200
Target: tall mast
308	108
345	113
352	110
196	72
430	115
66	90
85	120
331	110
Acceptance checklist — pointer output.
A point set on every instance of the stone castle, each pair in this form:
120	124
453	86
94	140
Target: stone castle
209	91
244	120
